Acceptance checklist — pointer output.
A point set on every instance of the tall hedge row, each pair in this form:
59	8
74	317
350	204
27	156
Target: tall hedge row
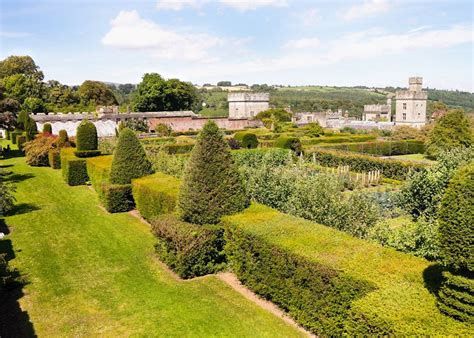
380	148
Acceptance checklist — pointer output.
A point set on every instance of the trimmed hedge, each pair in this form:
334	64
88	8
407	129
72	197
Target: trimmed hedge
330	282
246	139
20	141
395	169
155	194
54	158
178	148
185	133
14	134
47	128
287	142
337	139
456	297
74	169
87	153
86	136
114	197
190	250
380	148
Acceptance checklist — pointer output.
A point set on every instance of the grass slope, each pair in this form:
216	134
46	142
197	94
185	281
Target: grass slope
92	273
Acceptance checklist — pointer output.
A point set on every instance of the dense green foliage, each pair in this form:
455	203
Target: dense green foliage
380	148
86	137
63	138
7	198
157	94
130	160
96	93
280	115
30	128
313	129
212	186
155	195
14	135
54	158
74	169
456	216
272	253
20	141
456	296
288	142
247	140
362	163
37	151
190	250
47	128
422	193
450	131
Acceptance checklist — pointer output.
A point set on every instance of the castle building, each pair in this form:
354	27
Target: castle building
247	105
411	104
378	112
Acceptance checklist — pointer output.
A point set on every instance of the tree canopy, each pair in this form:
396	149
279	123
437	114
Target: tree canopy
155	93
281	115
96	93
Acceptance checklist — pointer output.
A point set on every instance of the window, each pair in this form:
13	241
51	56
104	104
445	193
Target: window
404	106
404	116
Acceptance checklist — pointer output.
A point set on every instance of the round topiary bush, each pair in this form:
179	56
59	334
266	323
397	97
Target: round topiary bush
86	136
130	160
86	140
247	140
456	228
212	186
63	139
287	142
47	128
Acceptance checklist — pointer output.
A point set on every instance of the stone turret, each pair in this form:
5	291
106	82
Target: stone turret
411	104
247	105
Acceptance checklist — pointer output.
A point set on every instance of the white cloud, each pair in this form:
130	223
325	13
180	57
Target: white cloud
366	9
130	31
8	34
246	5
241	5
303	43
310	17
177	5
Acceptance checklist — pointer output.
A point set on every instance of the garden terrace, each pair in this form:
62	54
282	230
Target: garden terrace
91	273
388	292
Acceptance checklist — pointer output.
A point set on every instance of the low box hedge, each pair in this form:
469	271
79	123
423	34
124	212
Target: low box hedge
332	283
74	169
155	194
87	153
14	134
178	148
54	158
246	139
395	169
20	141
289	142
114	197
190	250
380	148
337	139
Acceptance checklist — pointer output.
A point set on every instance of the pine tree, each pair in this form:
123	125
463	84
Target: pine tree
212	186
130	160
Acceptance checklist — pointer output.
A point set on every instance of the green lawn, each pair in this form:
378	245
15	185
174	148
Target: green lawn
92	273
413	157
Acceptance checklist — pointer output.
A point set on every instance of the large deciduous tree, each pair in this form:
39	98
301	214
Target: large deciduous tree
96	93
157	94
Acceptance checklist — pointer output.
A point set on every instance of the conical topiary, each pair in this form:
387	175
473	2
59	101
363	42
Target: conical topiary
130	160
212	186
456	228
63	139
47	128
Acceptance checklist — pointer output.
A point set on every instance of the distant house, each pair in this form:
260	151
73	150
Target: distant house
378	112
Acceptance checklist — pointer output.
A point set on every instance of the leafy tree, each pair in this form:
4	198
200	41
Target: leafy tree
34	105
9	105
20	86
314	129
7	121
96	93
450	131
86	136
130	160
20	65
212	186
157	94
281	115
224	83
135	125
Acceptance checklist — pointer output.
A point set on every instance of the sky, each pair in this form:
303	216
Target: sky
288	42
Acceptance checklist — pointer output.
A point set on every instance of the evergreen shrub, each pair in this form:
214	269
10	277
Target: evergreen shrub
190	250
74	169
47	128
30	128
14	134
287	142
8	132
54	158
20	141
246	139
175	148
63	138
86	139
130	160
212	186
380	148
155	195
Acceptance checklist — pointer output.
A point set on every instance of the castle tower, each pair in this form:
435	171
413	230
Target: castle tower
247	105
411	104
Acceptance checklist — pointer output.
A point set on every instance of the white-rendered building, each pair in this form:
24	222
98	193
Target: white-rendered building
247	105
411	104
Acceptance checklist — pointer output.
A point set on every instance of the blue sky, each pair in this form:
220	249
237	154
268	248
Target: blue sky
364	42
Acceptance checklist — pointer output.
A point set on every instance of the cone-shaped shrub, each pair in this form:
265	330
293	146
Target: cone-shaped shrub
47	128
130	160
63	138
86	136
456	229
30	128
212	186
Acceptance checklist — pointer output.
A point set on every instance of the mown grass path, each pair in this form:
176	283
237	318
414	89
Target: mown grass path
92	273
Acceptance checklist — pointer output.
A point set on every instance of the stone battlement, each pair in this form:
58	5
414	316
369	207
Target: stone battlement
248	97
